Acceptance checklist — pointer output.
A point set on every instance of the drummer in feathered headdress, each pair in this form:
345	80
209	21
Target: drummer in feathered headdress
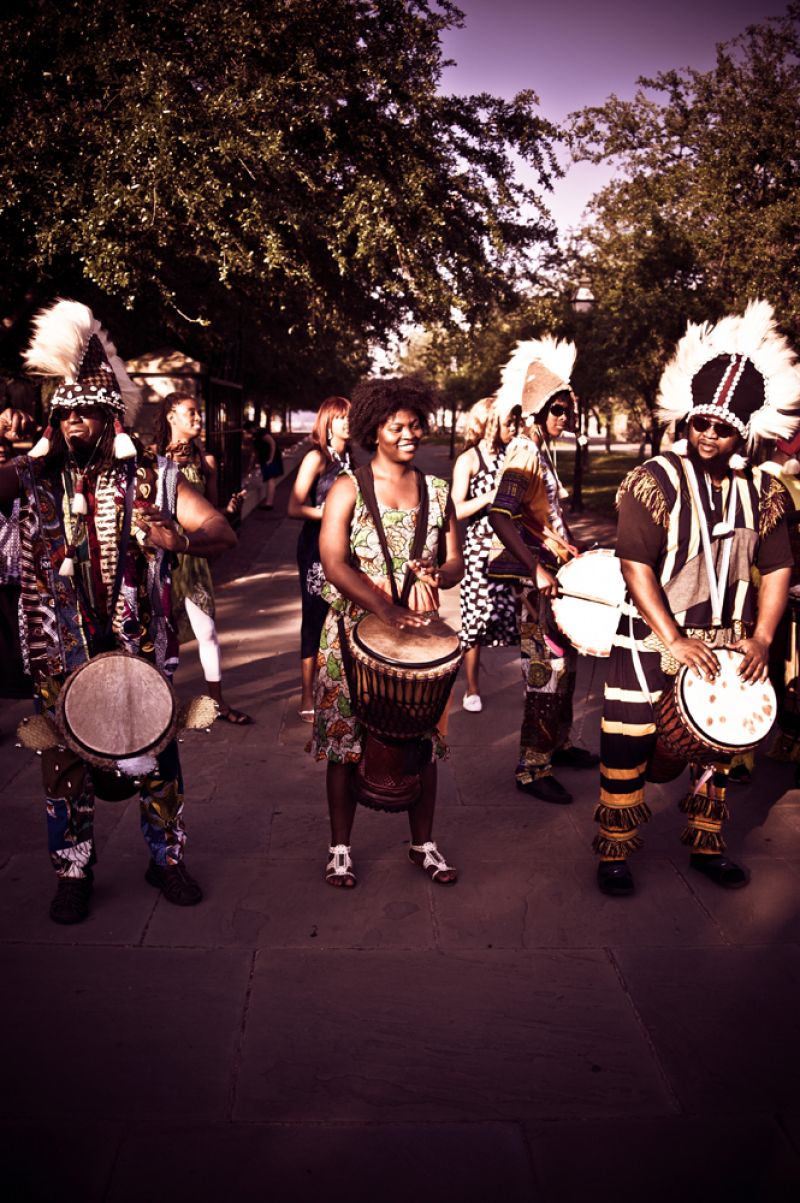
528	518
693	523
98	519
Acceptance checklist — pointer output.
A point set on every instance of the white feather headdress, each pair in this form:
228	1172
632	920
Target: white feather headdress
91	374
537	370
716	370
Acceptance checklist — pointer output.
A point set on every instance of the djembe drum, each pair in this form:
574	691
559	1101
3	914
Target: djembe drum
400	681
708	722
117	712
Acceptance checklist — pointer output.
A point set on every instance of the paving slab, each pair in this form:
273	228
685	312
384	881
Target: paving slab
767	911
735	1160
723	1022
426	1038
262	903
122	902
556	904
58	1159
126	1032
251	1163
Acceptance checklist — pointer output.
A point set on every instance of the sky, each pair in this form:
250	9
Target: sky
577	53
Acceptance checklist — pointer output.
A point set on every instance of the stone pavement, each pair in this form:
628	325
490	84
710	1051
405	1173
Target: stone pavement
518	1038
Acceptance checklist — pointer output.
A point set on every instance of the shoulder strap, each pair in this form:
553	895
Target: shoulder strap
366	484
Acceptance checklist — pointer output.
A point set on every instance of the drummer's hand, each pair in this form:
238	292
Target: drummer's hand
159	531
546	583
755	663
695	655
398	616
427	573
15	423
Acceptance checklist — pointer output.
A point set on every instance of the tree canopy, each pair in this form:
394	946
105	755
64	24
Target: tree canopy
280	169
704	213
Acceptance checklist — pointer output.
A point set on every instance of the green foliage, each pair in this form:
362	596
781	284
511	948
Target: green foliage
281	171
704	213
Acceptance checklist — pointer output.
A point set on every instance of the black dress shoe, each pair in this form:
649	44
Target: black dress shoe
71	901
546	788
615	878
575	758
720	870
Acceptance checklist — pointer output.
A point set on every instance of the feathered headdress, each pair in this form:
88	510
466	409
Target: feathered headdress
69	342
536	371
742	371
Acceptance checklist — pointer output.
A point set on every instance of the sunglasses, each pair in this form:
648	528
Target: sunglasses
723	430
558	411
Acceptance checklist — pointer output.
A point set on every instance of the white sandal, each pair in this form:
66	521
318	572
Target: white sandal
433	862
339	867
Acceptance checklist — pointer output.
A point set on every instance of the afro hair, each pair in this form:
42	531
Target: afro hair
375	400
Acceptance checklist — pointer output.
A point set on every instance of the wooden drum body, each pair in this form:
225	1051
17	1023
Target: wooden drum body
399	683
589	603
708	722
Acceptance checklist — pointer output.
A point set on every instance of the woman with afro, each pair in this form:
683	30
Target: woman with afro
389	418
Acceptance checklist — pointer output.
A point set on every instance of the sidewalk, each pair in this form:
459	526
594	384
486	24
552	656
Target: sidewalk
517	1038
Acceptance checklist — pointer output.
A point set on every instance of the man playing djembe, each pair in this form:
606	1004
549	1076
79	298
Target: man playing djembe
97	523
693	523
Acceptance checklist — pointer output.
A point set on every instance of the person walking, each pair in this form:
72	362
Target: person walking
488	608
179	437
319	468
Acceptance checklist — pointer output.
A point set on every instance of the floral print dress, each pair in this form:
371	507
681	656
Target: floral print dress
337	734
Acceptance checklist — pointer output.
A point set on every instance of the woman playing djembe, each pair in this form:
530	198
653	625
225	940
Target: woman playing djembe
389	418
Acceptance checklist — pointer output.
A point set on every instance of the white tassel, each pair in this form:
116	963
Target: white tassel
42	447
737	462
563	493
680	447
67	567
78	505
791	467
123	444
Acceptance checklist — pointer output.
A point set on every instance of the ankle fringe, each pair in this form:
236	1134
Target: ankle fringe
615	849
701	804
622	818
703	841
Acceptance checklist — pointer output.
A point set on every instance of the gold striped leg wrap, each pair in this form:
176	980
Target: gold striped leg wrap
706	811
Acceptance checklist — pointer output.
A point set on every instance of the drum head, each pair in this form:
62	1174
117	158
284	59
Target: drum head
424	647
587	610
727	712
115	707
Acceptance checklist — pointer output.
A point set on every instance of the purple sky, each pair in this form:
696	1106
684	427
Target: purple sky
577	53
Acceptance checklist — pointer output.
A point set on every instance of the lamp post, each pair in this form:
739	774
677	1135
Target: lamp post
582	304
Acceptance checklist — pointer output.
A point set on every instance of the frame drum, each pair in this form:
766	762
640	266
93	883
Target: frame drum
117	708
589	603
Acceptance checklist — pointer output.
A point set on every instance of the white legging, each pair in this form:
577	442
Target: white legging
205	633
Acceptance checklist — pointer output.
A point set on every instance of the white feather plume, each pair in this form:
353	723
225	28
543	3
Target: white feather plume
754	335
558	356
60	337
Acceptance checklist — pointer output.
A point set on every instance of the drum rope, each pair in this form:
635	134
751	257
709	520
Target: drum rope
578	731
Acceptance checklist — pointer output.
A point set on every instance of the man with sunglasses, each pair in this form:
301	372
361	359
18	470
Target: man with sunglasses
97	521
528	518
693	524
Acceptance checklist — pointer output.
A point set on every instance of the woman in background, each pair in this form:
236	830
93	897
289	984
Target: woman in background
178	432
488	609
319	468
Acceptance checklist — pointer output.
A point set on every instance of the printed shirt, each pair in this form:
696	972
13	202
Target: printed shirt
659	526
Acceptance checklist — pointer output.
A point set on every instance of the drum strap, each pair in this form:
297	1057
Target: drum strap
366	483
103	640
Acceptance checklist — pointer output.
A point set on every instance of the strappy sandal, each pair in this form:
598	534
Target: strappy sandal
433	863
339	869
